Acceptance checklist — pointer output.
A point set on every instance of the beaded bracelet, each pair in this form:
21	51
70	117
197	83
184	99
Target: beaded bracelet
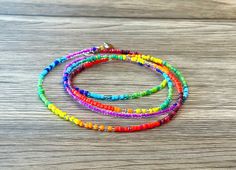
107	109
100	96
172	75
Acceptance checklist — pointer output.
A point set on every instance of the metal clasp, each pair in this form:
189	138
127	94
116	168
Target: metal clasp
102	47
107	45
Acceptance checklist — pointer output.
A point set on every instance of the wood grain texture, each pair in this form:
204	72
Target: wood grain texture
207	9
202	136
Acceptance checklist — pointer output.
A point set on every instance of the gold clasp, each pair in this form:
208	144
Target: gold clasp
105	46
102	47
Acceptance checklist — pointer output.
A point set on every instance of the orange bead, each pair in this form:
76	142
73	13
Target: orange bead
86	125
101	127
81	124
109	128
116	109
90	125
130	110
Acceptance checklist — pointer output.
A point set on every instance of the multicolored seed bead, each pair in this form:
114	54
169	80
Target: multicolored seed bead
172	78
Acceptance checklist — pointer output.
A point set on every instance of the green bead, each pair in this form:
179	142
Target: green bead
143	93
148	92
153	90
134	95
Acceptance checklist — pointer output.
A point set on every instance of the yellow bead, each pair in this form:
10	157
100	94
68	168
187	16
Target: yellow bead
144	110
164	83
138	110
134	59
62	114
95	127
50	106
151	58
76	121
150	110
157	60
72	118
140	61
66	117
124	57
144	57
109	128
54	108
155	109
57	111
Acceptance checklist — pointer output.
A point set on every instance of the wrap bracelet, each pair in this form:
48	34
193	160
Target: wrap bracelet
107	109
105	53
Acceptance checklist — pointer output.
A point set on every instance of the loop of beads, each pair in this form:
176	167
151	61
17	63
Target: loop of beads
172	78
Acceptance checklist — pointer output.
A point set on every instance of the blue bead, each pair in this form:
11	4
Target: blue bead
122	97
56	62
86	93
50	67
62	59
114	97
65	78
107	97
81	91
91	94
126	96
140	64
44	72
68	70
94	49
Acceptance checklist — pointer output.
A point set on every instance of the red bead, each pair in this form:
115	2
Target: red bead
135	128
139	127
121	129
167	119
157	124
125	129
117	129
95	103
106	107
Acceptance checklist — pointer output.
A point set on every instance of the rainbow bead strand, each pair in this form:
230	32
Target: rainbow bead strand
87	58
